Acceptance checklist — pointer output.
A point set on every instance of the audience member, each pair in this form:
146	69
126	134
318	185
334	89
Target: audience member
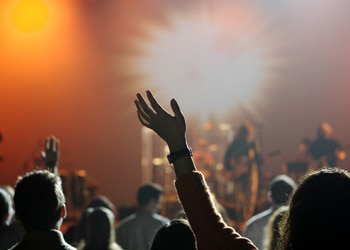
100	233
210	230
8	233
11	231
174	236
40	205
281	187
318	215
137	231
272	230
77	232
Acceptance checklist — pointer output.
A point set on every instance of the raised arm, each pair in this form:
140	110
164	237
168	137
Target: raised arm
210	230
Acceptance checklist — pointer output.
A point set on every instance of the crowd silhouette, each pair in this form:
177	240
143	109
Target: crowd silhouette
311	212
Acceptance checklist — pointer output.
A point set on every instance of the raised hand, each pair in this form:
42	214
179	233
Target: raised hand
170	128
51	154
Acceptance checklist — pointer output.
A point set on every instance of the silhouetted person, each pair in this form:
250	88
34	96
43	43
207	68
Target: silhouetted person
175	235
100	234
9	231
40	205
137	231
242	161
77	232
281	187
318	215
325	150
272	230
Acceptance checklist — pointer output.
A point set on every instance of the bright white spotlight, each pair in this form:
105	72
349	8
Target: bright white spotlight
210	59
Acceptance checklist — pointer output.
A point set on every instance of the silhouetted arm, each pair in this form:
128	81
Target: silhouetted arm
210	230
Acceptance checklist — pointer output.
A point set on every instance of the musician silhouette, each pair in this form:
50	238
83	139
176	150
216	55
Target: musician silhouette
325	150
242	161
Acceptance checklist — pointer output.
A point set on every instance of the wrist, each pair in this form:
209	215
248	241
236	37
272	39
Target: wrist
175	155
177	145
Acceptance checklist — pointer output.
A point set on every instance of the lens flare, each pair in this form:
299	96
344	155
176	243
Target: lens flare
211	58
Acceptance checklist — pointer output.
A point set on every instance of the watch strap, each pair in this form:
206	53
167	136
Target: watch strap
173	156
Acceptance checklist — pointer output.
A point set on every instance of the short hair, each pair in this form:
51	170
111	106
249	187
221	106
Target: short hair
148	192
281	187
174	235
5	205
38	200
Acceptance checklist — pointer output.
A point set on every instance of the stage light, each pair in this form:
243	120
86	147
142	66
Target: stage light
211	59
30	15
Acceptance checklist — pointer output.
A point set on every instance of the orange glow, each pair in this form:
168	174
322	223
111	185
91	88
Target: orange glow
30	15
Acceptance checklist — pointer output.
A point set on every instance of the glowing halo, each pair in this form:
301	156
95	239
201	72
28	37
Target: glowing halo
209	58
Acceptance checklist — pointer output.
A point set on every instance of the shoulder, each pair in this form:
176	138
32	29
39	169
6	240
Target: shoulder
127	220
160	218
260	216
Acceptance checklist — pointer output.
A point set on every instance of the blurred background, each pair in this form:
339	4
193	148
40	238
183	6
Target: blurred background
72	69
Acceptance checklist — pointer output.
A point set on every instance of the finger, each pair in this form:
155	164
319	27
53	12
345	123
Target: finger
47	143
155	105
143	121
52	143
145	108
176	109
57	145
141	112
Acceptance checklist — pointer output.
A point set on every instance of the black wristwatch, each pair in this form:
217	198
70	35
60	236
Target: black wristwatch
173	156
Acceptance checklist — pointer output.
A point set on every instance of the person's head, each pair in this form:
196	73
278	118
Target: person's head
39	200
245	131
101	201
148	196
281	187
5	207
99	228
325	130
318	216
98	201
173	236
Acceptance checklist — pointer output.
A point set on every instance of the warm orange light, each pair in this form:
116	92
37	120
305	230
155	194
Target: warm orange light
30	15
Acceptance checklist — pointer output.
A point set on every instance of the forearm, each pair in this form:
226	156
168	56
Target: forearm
210	230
